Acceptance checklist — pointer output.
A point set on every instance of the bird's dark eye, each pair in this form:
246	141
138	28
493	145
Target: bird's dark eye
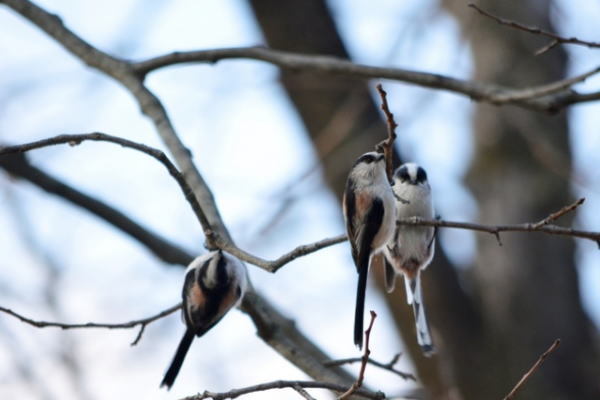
402	174
365	158
238	292
421	175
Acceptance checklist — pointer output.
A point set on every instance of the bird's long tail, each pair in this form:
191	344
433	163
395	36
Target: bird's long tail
415	297
182	349
360	304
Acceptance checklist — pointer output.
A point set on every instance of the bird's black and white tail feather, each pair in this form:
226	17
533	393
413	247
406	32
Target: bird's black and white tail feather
182	349
415	298
360	306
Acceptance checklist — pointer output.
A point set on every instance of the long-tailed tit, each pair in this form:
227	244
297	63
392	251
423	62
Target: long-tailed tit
370	216
214	283
411	249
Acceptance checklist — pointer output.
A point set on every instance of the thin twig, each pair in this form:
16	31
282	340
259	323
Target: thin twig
387	146
18	165
302	250
554	216
556	39
363	366
275	265
389	366
289	342
534	368
497	229
303	392
74	140
123	325
281	384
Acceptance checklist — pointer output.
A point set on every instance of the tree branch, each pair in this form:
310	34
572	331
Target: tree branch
387	146
275	329
19	166
549	97
150	105
363	365
232	394
534	368
556	39
275	265
497	229
123	325
389	366
74	140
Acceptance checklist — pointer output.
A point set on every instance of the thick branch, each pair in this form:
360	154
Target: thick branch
550	97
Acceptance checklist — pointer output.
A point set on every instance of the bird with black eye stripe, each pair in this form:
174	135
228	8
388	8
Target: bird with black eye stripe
411	248
370	215
214	283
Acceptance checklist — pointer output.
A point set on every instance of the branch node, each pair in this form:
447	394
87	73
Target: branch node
498	239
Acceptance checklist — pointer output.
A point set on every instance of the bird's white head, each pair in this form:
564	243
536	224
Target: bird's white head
369	167
411	174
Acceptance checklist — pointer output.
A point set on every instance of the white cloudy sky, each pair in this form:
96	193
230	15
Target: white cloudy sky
225	113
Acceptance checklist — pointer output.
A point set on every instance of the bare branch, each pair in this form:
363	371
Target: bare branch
293	345
18	166
534	368
497	229
389	366
554	95
544	90
272	327
554	216
150	105
281	334
232	394
74	140
303	392
542	226
556	39
275	265
363	366
387	146
123	325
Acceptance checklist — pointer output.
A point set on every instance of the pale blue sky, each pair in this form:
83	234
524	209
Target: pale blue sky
225	113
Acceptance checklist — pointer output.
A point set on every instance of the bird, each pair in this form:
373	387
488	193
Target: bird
370	214
214	283
411	248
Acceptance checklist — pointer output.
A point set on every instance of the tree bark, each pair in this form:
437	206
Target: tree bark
521	296
528	288
343	121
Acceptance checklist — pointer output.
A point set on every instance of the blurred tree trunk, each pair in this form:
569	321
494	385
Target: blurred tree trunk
344	122
528	288
521	296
